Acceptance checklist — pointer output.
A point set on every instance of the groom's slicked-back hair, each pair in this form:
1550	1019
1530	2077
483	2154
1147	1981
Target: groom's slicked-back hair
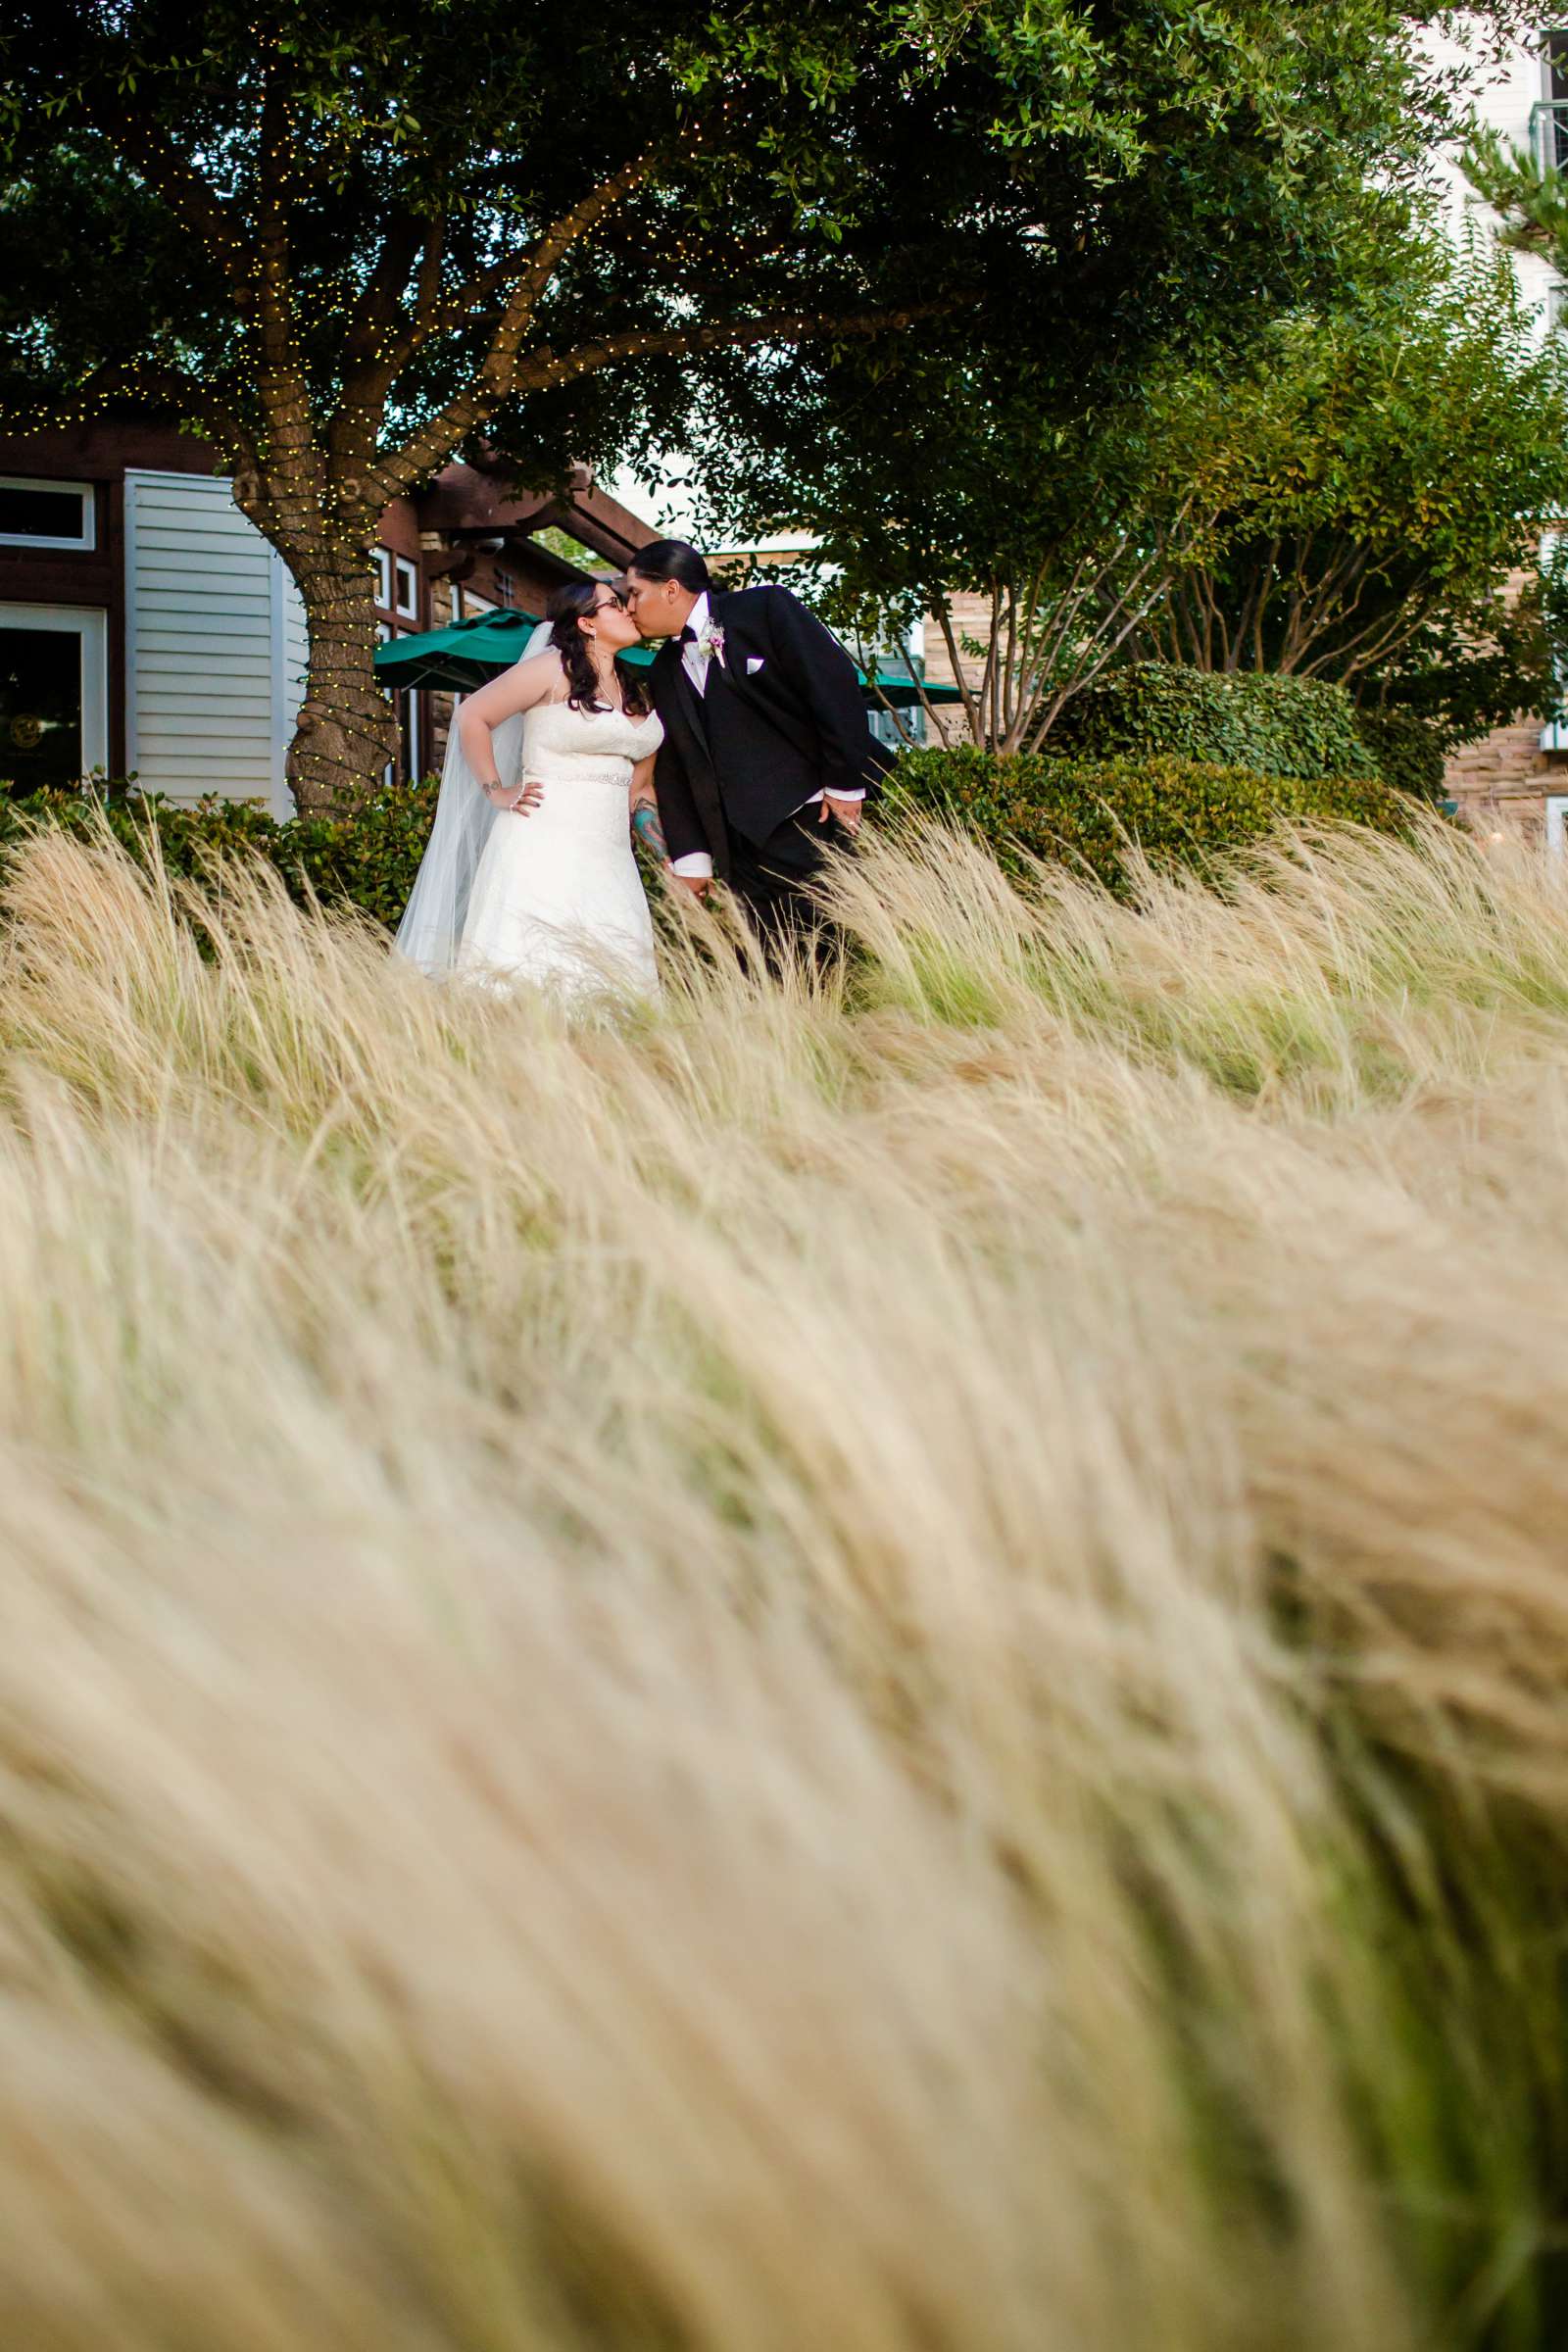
673	560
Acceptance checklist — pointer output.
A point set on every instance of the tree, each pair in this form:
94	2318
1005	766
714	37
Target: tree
344	244
1392	462
1349	492
340	248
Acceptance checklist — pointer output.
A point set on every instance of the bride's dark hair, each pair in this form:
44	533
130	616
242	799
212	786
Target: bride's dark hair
566	608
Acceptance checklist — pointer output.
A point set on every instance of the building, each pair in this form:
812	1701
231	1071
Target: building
147	627
1515	780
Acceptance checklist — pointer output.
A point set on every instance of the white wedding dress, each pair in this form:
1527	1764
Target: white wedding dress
557	899
552	898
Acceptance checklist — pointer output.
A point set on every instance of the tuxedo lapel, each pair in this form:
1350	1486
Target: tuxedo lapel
683	704
721	665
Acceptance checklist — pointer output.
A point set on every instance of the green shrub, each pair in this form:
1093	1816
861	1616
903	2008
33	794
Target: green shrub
369	859
1252	719
188	836
1081	810
1409	751
1084	811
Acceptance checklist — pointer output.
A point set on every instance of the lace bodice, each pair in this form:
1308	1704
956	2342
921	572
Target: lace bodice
589	747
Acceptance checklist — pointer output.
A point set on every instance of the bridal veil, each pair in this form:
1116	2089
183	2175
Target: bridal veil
432	929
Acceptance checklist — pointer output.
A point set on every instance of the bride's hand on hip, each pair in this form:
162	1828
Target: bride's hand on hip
515	803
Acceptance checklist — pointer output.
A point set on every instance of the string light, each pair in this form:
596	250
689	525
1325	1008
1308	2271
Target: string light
284	478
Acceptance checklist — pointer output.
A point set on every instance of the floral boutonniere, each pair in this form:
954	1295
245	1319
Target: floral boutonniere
713	646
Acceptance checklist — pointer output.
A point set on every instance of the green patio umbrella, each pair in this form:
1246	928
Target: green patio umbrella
467	653
461	657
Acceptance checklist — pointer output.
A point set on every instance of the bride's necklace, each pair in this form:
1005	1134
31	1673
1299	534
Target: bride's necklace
605	680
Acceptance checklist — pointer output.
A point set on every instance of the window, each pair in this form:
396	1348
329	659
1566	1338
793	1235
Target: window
1550	118
1551	558
1557	67
408	733
407	704
465	606
40	513
384	636
505	588
54	710
407	588
382	560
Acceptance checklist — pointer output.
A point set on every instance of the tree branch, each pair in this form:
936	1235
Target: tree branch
868	665
495	377
194	203
283	390
380	340
1380	637
538	261
972	713
546	369
375	314
142	379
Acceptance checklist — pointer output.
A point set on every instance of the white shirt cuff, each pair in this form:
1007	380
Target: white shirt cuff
697	867
858	794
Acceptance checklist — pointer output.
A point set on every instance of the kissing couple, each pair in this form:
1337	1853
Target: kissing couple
742	753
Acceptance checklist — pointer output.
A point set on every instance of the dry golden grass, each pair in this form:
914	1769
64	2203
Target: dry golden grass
875	1674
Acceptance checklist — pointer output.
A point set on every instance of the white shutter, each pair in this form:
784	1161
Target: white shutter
214	648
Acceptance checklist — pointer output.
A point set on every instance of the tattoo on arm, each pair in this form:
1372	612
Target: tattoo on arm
649	831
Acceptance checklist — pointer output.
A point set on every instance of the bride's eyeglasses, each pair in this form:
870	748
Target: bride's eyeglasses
608	604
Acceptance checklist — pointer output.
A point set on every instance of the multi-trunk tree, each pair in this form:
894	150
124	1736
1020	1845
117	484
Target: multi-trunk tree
1392	462
344	244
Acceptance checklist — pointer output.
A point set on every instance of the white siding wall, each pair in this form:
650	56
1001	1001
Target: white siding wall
215	644
1504	95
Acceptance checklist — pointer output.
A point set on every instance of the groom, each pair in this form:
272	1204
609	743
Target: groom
767	755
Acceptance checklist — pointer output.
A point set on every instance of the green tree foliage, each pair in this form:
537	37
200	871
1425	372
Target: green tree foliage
1344	494
1391	463
1528	195
343	244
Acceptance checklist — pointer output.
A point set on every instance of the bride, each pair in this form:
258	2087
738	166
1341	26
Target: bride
529	874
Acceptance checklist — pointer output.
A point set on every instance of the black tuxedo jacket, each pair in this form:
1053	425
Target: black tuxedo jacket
781	720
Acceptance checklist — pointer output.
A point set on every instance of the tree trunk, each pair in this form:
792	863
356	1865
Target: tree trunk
347	729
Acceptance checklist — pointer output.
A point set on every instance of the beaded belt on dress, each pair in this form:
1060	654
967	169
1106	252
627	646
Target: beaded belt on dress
583	772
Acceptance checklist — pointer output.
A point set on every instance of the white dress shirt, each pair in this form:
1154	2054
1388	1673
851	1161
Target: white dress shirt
696	657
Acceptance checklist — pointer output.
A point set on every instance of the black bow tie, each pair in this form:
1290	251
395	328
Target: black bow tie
688	635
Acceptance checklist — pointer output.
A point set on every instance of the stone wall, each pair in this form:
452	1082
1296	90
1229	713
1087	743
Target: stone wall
1503	782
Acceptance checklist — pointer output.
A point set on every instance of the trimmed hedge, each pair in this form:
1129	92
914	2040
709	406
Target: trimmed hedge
1251	719
1083	811
1079	811
1410	752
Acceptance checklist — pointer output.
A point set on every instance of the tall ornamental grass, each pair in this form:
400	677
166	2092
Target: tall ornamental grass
876	1665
